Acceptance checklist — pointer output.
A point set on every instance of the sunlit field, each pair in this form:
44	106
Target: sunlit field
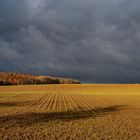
75	112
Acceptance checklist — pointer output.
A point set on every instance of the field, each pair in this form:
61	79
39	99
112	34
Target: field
75	112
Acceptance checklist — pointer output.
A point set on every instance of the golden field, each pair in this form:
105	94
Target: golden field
70	112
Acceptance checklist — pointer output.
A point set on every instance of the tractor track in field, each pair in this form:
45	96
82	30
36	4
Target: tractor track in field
44	103
55	102
73	103
51	103
64	102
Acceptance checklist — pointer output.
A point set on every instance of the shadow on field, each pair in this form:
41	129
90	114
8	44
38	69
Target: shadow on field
31	118
13	104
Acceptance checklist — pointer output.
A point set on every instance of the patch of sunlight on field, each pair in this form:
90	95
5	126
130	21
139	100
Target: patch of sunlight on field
74	89
21	92
111	92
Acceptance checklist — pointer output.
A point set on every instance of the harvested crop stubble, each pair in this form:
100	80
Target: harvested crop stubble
70	112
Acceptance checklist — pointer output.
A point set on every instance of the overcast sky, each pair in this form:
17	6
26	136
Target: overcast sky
91	40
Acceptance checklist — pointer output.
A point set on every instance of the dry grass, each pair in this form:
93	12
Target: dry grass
96	112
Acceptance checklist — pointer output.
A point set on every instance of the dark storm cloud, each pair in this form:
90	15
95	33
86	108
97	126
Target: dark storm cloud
92	40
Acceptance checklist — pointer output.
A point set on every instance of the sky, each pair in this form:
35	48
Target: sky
94	41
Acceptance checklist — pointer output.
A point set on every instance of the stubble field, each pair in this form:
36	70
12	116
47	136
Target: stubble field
76	112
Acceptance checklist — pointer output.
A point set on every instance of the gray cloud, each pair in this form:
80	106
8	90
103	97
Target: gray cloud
92	40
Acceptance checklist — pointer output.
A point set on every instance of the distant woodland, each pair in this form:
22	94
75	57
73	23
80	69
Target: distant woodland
10	78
